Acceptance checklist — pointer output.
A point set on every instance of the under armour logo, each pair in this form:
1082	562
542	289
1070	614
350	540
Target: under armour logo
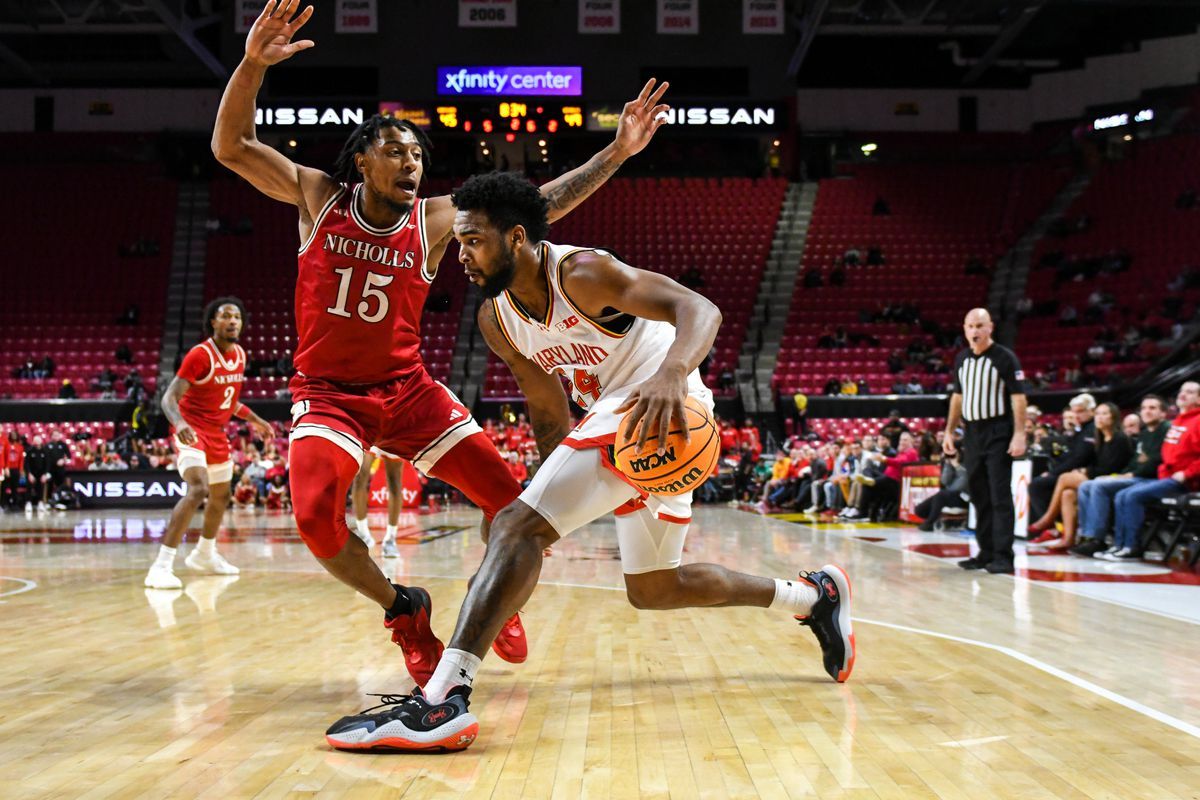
455	414
462	673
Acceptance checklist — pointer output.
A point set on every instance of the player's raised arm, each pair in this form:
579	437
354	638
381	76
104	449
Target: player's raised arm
234	142
606	282
640	118
544	395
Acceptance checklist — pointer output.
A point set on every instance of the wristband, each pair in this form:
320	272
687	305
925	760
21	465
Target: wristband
241	412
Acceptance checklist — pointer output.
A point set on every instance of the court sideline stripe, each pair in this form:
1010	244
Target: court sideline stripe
1132	705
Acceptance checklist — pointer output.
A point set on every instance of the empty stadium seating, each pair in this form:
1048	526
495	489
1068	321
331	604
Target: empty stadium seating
65	284
940	216
720	227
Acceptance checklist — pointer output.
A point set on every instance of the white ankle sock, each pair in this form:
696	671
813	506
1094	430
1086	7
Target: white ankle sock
796	596
363	528
166	558
391	531
457	668
206	547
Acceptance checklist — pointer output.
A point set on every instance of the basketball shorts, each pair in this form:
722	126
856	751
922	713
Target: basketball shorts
210	452
411	417
579	483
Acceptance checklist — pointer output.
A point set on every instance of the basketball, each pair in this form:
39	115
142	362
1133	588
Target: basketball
685	464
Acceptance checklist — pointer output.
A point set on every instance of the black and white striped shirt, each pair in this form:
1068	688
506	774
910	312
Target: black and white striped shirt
986	382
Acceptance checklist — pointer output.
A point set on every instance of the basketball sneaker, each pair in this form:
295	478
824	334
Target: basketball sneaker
510	643
162	578
829	620
408	724
389	549
422	649
213	563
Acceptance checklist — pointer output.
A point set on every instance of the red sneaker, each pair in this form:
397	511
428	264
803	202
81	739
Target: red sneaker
1045	537
422	649
510	643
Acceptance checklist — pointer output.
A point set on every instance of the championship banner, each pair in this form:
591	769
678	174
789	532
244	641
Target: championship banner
356	16
678	16
411	486
487	13
918	482
762	16
244	14
599	16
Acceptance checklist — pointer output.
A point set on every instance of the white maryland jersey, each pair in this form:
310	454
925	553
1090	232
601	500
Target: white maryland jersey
600	358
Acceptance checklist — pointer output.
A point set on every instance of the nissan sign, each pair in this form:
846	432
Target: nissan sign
510	81
128	488
309	116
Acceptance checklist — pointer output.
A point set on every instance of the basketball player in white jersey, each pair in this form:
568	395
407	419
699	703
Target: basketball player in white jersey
625	340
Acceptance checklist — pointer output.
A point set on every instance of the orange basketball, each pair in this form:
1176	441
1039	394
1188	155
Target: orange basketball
684	465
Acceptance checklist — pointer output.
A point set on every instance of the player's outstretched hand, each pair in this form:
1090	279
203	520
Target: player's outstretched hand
640	118
185	434
270	39
263	429
654	403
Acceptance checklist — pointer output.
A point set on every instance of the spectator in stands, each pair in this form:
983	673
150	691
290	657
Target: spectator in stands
692	279
837	486
881	494
1080	447
12	468
1096	495
861	387
849	387
130	315
743	479
104	380
67	390
748	436
1111	453
832	387
516	467
880	208
44	368
812	279
1131	426
852	256
952	494
729	436
869	468
780	468
913	386
895	362
124	355
38	475
893	427
277	497
1178	473
874	256
245	493
1068	316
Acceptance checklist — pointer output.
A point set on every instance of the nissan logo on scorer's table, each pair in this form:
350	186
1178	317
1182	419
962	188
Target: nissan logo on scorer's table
510	81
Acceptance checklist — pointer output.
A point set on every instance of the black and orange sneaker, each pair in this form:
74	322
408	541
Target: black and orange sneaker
422	649
510	643
829	619
408	724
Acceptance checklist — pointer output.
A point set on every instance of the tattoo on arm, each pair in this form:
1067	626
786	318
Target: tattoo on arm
574	189
548	433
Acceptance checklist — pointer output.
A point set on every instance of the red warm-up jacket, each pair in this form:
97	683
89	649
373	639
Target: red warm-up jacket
1181	449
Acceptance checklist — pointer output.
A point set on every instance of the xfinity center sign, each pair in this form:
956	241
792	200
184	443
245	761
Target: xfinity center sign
510	81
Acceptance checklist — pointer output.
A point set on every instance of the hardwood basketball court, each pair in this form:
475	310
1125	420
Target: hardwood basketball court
1067	681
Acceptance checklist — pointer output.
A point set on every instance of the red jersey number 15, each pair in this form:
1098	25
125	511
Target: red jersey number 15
374	303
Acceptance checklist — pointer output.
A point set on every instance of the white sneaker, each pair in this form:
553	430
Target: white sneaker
851	513
1104	554
28	507
162	578
214	564
811	510
390	548
43	507
1124	554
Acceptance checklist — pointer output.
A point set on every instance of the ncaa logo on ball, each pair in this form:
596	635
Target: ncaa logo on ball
652	461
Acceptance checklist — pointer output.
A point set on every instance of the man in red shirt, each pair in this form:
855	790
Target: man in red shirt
200	400
729	436
370	248
12	466
748	435
1178	474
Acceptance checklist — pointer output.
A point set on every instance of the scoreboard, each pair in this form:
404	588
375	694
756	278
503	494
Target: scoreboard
493	116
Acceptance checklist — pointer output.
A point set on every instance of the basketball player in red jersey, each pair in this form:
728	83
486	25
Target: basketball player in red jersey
360	501
369	251
202	397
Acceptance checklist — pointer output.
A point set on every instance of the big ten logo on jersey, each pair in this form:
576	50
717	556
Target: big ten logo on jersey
569	322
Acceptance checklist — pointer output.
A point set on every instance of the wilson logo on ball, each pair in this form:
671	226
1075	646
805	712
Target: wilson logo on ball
695	475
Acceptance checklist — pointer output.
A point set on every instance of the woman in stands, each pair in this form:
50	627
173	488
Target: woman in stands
1112	453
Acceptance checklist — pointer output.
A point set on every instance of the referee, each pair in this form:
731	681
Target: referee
988	392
